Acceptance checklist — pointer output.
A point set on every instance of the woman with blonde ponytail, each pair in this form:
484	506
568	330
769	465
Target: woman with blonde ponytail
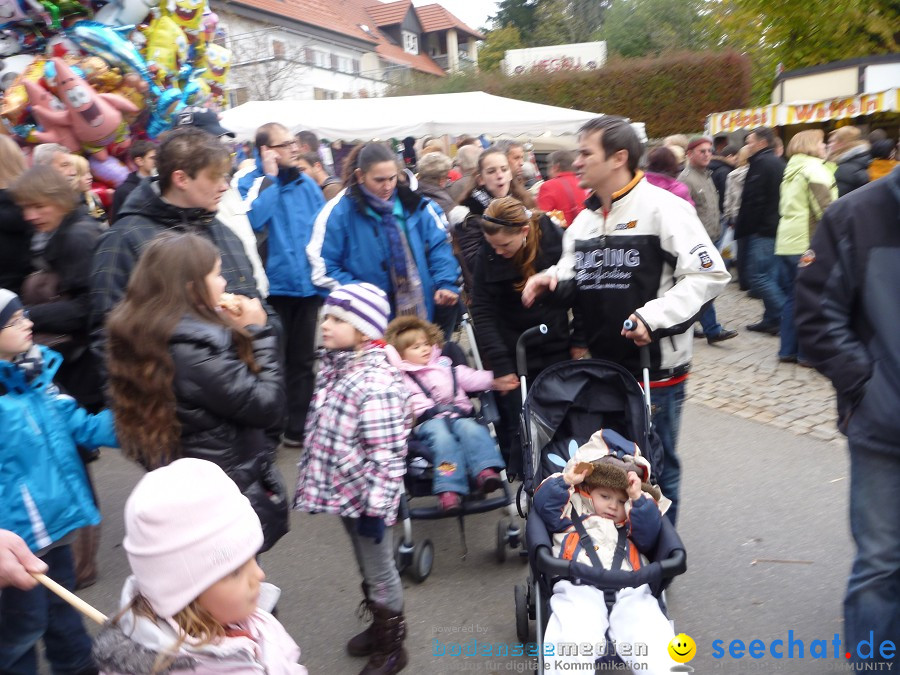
518	242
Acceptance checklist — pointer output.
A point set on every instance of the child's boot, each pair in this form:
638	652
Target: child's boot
449	502
488	481
362	643
389	632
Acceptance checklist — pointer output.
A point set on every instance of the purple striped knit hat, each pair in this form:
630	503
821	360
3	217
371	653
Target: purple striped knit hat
363	306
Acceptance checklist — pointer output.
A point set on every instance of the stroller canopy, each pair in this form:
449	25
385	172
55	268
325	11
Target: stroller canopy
570	401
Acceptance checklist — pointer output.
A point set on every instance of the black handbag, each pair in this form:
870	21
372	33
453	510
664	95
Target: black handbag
269	499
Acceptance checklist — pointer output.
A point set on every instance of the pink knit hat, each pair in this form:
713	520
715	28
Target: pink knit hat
186	527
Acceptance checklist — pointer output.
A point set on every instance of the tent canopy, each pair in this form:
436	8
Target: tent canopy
365	119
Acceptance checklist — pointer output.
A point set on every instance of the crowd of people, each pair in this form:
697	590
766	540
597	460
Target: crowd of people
212	314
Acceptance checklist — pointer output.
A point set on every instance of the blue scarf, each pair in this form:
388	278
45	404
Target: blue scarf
385	210
408	297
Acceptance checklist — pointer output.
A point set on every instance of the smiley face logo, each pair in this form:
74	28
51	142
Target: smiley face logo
682	648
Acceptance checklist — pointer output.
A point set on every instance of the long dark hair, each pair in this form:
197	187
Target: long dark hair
168	283
364	157
516	189
513	216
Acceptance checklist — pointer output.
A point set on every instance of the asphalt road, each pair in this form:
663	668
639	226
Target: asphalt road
763	518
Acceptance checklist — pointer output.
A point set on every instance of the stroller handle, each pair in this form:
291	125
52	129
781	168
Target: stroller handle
528	336
651	573
644	353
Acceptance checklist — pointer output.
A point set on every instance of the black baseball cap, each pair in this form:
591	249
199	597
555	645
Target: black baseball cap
202	118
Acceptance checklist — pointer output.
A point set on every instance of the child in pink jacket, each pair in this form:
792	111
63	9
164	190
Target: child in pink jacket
192	603
462	448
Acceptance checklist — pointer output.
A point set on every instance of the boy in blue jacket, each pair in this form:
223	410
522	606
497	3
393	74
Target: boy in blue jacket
44	495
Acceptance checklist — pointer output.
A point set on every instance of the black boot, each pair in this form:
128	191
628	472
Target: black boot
361	644
388	633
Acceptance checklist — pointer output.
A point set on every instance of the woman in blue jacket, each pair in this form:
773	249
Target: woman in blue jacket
44	494
385	234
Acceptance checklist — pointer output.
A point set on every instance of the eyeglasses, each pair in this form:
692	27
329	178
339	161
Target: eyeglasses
19	322
286	144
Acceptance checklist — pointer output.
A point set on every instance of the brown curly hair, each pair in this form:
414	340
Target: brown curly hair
398	333
512	211
168	283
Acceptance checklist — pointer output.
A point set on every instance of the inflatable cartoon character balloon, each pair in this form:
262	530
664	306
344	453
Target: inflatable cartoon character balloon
94	119
167	47
218	62
125	12
187	14
39	97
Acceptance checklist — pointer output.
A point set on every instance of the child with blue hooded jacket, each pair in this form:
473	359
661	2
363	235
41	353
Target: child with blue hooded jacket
44	494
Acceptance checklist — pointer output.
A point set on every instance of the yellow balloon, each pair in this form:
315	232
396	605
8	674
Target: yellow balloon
167	46
682	648
186	13
218	62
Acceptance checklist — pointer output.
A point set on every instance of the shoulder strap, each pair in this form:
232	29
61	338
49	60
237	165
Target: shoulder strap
586	542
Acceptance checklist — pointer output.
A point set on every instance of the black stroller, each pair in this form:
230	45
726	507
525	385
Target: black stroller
569	402
416	559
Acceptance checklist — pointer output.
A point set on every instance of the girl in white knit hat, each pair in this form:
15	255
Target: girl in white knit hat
353	460
191	604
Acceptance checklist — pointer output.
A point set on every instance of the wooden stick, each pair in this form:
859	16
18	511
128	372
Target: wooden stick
90	612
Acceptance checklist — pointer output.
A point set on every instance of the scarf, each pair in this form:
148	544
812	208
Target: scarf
483	197
31	363
408	296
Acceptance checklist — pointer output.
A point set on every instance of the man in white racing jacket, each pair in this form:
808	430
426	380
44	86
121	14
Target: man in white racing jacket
636	252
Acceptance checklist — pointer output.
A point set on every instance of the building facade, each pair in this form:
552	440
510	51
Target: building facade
314	49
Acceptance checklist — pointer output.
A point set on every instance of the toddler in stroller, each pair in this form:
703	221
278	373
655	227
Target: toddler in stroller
604	513
461	447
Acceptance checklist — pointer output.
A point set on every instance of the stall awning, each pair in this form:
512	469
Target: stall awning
804	112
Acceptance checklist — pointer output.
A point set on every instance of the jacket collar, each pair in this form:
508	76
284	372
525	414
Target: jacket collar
594	203
12	377
147	201
408	199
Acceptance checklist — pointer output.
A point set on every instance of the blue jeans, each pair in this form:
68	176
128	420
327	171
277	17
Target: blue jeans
667	404
28	616
711	325
462	449
872	602
764	273
788	276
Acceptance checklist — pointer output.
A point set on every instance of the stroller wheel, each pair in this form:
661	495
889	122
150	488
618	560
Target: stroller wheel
403	555
522	627
422	560
502	541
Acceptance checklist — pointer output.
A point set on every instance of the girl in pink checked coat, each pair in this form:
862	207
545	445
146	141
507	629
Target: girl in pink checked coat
462	448
353	459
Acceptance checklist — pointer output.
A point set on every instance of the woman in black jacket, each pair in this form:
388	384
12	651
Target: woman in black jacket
194	372
518	242
15	232
57	297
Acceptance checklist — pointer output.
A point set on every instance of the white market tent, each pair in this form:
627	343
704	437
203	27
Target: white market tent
365	119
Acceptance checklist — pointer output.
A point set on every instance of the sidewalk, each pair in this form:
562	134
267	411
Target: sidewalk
744	377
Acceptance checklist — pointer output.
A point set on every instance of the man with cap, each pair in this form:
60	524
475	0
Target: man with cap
697	177
184	197
283	204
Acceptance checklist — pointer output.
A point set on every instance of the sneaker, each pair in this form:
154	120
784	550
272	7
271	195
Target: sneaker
488	481
721	336
763	327
449	502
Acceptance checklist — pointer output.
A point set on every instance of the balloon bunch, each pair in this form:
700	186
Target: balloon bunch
94	74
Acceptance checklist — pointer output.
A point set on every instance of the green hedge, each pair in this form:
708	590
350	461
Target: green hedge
670	94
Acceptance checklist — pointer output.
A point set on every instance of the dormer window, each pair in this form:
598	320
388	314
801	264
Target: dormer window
410	42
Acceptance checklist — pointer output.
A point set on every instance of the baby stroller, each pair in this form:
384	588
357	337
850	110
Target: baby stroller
416	559
569	402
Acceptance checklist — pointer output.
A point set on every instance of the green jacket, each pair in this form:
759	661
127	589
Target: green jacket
807	188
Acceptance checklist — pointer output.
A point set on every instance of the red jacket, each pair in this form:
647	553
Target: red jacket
562	193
